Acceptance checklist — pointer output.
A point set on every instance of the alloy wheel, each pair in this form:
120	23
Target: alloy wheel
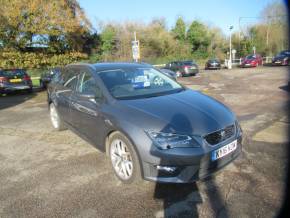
121	159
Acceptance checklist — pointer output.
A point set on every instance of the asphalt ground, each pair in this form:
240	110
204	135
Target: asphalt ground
44	173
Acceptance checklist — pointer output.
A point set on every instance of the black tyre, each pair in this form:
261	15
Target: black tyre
124	159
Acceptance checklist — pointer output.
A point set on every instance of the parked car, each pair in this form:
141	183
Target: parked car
14	80
282	58
213	64
252	61
157	131
183	68
169	73
47	76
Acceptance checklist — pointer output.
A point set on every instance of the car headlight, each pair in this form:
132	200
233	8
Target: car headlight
171	140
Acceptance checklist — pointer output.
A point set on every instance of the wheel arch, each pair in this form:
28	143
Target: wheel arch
107	150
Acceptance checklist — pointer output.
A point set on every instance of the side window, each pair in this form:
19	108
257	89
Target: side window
88	86
70	79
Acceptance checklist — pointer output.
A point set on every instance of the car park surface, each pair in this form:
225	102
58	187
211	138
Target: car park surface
57	174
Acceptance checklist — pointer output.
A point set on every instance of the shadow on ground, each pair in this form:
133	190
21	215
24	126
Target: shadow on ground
15	98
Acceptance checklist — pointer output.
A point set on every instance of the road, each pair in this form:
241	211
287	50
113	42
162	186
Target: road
44	173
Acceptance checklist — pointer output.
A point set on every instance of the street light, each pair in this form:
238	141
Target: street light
230	61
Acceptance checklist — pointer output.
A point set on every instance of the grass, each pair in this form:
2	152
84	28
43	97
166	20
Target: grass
35	82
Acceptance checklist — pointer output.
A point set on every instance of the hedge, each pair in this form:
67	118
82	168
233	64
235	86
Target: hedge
31	60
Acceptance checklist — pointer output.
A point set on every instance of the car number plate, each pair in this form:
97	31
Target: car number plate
223	151
15	80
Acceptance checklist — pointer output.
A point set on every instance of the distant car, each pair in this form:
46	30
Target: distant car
213	64
283	58
47	76
252	61
183	68
14	80
169	73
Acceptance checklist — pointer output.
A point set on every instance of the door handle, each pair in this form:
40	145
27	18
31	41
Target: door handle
84	109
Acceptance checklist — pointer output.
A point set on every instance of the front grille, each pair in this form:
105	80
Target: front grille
220	135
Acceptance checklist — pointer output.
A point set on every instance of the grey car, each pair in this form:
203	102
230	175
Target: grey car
159	131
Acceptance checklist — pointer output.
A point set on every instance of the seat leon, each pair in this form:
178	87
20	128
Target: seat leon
149	125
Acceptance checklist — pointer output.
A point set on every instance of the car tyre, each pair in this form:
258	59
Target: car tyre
55	119
30	90
124	159
42	85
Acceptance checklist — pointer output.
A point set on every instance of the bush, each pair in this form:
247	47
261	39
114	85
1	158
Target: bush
31	60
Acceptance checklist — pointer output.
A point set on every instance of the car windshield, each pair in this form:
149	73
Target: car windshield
250	57
284	53
138	83
16	72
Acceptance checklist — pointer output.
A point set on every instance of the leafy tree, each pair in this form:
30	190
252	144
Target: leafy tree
197	35
26	23
108	39
179	31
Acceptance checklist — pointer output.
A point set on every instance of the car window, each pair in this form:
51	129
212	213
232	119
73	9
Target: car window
138	83
88	86
187	63
16	72
70	78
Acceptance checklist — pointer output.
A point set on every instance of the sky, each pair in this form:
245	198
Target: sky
219	13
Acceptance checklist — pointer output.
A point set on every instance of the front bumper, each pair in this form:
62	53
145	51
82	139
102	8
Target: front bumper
213	67
247	65
279	63
202	166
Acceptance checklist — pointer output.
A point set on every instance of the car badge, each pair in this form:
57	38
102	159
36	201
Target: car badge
223	133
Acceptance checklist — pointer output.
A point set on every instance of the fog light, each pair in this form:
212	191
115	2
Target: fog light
166	169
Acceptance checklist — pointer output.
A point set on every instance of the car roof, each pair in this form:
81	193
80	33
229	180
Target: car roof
112	65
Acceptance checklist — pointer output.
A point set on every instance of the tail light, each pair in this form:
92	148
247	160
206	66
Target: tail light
26	78
3	79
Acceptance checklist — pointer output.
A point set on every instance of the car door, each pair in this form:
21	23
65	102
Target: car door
63	92
86	105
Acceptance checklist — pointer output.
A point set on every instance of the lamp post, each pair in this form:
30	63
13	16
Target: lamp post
230	60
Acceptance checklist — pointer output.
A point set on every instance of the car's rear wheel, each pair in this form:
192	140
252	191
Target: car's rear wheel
54	117
124	158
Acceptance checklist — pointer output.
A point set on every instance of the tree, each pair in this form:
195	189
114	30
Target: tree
108	39
26	23
197	35
179	31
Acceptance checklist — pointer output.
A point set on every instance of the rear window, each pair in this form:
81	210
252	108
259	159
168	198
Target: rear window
17	72
187	62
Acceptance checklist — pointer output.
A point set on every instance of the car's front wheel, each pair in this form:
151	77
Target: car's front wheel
124	158
54	117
